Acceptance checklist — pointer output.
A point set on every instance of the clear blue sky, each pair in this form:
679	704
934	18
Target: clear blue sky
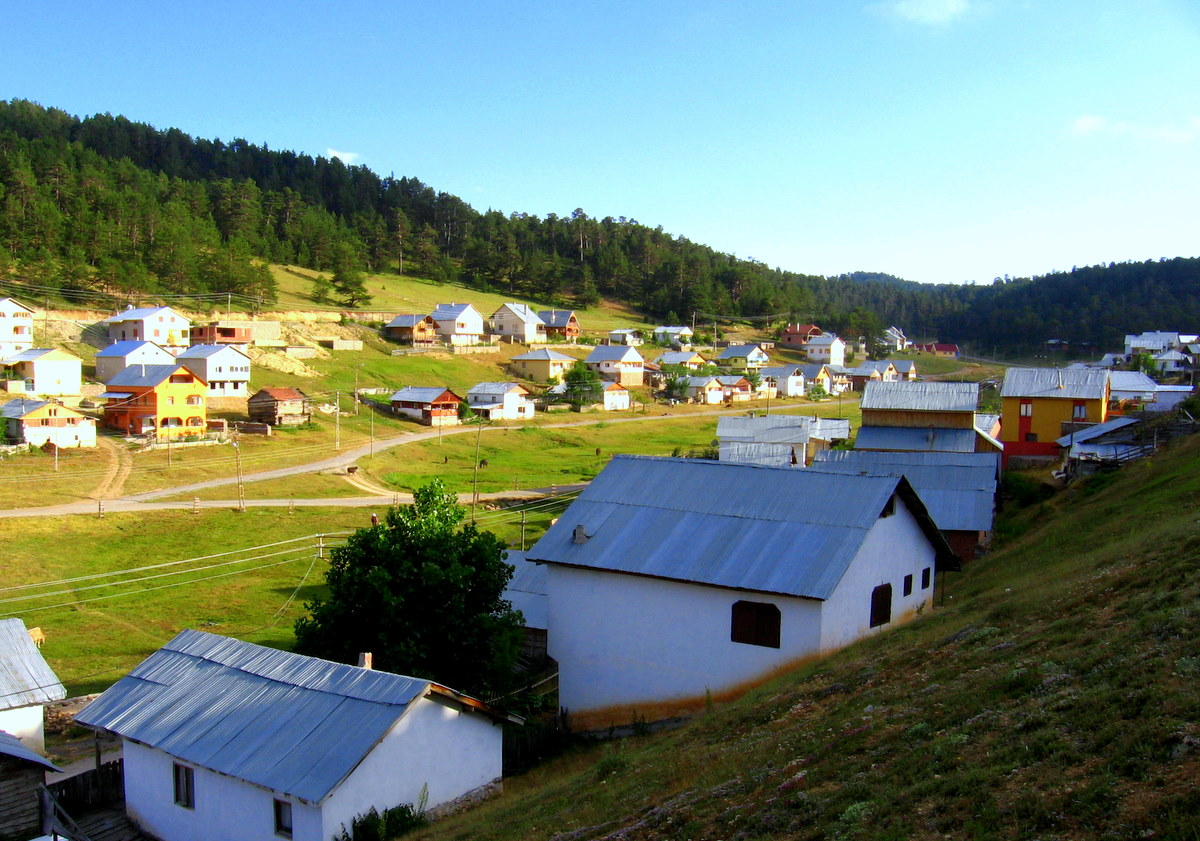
939	140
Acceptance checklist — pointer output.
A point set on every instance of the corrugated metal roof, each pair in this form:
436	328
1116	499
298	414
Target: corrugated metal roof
780	372
527	590
408	320
127	347
613	353
678	357
293	724
1070	383
700	381
545	354
495	388
741	526
910	438
10	745
921	397
143	375
25	677
419	394
522	311
21	407
762	453
824	339
207	351
739	351
732	380
139	314
778	428
556	318
28	355
959	489
1096	430
115	395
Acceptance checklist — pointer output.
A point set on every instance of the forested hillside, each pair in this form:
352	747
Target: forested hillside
107	203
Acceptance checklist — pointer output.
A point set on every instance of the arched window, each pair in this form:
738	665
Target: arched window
881	605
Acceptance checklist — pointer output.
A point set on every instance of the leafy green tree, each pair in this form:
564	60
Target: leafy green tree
348	280
583	385
424	593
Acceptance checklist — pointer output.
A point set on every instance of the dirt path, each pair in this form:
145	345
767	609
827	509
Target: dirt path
120	463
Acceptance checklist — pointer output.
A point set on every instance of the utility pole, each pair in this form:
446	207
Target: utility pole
237	452
475	491
356	389
372	431
337	421
523	513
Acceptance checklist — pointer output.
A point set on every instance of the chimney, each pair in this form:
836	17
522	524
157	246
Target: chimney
364	660
581	535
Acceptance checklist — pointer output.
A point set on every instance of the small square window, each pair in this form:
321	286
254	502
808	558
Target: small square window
908	585
283	819
1026	410
185	786
755	623
925	578
881	605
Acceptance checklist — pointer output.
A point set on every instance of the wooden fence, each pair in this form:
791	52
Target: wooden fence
98	787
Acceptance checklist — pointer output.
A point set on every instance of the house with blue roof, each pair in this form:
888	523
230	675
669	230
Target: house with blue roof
672	582
226	368
458	324
27	684
118	356
224	740
519	323
161	325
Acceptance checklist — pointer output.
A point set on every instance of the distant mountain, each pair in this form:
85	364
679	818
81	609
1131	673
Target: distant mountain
104	202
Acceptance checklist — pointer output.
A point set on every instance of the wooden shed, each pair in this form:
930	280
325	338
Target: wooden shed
280	406
22	775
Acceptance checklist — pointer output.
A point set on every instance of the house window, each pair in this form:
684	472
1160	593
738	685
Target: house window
755	623
185	786
881	605
908	585
1079	412
1031	437
283	819
925	578
1026	409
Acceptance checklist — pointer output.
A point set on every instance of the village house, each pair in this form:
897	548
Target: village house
785	380
939	349
279	407
860	376
519	323
1152	342
684	358
628	336
735	388
542	365
561	325
623	365
432	406
743	358
237	332
615	397
224	740
22	778
1127	388
168	401
500	401
27	683
415	330
959	489
818	375
49	372
895	339
1104	446
1172	361
922	417
705	389
674	336
826	348
675	582
161	325
225	368
778	440
526	592
38	422
458	324
16	327
1037	402
118	356
798	335
906	369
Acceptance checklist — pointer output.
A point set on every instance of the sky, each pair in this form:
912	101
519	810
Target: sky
938	140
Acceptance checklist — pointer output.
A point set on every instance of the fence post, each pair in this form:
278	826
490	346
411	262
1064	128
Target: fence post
100	508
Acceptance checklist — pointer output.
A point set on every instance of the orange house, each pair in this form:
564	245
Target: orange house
167	401
1040	405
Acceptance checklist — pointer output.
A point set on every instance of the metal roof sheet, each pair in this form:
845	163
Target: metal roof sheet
987	464
556	318
780	371
613	353
678	357
25	677
450	312
524	312
407	320
139	314
495	388
127	347
28	355
545	354
911	438
738	351
419	394
921	397
143	375
1070	383
1096	430
764	453
207	351
289	723
527	590
21	407
730	525
10	745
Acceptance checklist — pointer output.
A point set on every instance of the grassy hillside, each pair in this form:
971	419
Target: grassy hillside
1054	694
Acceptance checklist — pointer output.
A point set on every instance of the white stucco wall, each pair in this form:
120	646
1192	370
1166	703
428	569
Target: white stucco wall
894	547
82	434
623	640
55	377
433	744
26	724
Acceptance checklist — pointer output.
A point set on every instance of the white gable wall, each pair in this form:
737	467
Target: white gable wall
26	724
624	641
894	547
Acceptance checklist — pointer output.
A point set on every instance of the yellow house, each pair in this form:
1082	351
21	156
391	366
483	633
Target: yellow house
542	365
167	401
1036	403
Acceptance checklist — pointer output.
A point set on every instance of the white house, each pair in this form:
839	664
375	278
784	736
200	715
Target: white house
225	368
616	397
827	349
628	336
686	358
787	380
704	389
1172	361
224	740
675	581
894	338
118	356
49	372
676	336
38	422
619	364
161	325
501	401
520	323
26	684
458	324
1152	342
16	327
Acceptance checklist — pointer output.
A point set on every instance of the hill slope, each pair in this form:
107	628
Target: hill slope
1055	695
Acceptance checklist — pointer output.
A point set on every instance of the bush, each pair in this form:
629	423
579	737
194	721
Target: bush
392	823
1023	490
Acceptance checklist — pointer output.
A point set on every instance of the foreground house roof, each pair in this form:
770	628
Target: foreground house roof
289	723
1071	383
25	677
147	376
740	526
933	439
